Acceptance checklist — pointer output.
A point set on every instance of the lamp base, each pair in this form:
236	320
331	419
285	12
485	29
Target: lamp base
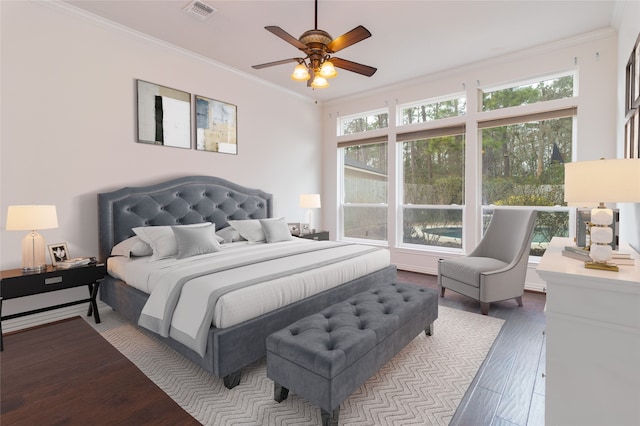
33	254
602	266
34	269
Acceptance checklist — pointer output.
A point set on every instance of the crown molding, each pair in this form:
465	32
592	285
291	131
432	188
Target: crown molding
122	29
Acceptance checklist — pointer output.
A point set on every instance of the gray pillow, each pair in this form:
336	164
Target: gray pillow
161	239
195	241
276	230
250	229
133	246
229	235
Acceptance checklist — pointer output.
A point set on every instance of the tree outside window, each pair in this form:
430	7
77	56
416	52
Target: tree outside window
523	162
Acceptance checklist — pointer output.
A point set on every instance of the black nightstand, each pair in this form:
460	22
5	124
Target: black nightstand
319	236
14	283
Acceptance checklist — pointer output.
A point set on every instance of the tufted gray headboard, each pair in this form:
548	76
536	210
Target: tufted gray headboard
186	200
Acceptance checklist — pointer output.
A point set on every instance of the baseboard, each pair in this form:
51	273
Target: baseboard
21	323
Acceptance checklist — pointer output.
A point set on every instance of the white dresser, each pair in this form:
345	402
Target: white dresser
593	341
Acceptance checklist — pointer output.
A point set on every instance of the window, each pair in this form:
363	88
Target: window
364	189
363	122
523	165
432	186
523	94
432	110
524	136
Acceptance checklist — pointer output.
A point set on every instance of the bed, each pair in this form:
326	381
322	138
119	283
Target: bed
196	200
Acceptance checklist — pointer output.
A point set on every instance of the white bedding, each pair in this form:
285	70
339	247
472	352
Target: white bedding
280	289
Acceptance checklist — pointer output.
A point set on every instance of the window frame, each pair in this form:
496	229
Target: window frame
341	120
341	192
429	132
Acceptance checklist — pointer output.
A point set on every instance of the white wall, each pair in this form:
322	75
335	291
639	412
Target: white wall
629	30
68	124
593	55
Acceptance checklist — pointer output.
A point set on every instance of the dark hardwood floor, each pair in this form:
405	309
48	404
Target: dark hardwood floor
65	373
509	387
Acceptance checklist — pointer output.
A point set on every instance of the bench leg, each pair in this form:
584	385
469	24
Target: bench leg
232	380
484	308
429	330
330	419
280	393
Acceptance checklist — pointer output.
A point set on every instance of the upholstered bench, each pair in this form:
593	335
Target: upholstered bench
326	356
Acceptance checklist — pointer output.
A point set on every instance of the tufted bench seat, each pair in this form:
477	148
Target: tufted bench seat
326	356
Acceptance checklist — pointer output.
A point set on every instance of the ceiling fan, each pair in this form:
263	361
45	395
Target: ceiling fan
318	46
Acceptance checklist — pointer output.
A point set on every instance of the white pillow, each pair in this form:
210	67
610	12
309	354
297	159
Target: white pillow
162	239
250	229
133	246
193	241
228	235
276	230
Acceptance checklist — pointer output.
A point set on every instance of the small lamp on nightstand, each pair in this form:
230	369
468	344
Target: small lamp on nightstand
31	218
588	183
309	202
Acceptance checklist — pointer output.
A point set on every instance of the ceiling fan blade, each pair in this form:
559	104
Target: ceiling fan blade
271	64
286	36
357	34
354	67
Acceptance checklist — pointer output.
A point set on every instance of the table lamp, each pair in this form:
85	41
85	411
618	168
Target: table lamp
309	202
31	218
589	183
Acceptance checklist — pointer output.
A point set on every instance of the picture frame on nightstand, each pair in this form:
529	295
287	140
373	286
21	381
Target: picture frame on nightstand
294	228
59	252
305	228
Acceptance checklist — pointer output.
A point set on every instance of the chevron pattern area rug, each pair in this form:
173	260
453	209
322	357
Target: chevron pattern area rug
421	385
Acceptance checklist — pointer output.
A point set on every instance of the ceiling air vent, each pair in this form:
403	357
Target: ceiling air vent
199	9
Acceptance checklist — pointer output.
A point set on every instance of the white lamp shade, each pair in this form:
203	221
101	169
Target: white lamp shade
587	183
310	201
32	217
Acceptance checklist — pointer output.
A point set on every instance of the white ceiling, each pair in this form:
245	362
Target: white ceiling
409	38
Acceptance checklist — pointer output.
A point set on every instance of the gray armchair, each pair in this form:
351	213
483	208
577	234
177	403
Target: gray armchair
496	269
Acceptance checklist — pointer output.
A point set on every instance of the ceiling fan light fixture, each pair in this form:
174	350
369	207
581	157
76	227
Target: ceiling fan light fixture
300	73
316	64
319	82
327	70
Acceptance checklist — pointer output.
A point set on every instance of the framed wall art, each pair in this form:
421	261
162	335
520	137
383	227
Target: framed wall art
164	115
216	126
632	104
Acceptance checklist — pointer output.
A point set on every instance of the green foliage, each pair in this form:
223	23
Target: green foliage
365	123
558	88
434	111
434	170
373	156
523	200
